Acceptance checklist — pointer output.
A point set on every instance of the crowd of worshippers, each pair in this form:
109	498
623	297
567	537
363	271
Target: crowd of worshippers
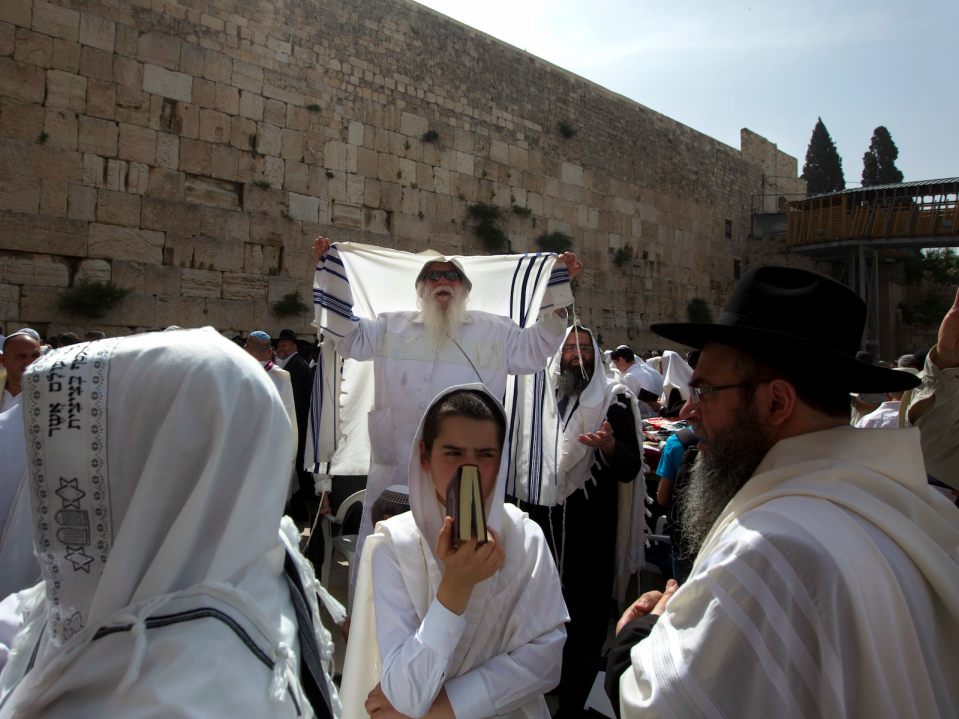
157	490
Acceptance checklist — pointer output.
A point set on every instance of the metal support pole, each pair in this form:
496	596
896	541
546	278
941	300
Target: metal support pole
875	300
862	293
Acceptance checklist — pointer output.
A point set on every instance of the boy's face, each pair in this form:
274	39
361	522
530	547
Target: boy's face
460	441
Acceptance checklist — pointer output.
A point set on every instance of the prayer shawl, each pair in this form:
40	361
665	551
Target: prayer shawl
517	604
18	565
829	586
159	536
565	464
355	281
676	375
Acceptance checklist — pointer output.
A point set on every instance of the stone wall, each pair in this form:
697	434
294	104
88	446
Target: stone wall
190	152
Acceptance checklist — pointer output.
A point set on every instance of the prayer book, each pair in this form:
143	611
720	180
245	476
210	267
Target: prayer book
464	503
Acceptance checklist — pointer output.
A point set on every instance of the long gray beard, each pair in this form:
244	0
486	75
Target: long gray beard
442	324
571	381
722	468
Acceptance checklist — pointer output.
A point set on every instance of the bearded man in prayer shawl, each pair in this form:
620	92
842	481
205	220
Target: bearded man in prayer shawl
827	583
596	526
172	585
463	633
418	354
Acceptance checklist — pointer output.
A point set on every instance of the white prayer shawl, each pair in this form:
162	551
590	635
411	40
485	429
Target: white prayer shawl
676	375
355	281
166	513
655	363
566	464
18	565
520	602
829	586
284	386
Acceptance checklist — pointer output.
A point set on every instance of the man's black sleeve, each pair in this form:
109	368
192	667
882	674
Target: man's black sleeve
618	661
626	463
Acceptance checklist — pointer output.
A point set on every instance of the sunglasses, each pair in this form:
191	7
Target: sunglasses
450	275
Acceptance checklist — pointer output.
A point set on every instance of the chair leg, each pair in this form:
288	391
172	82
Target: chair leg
349	597
327	553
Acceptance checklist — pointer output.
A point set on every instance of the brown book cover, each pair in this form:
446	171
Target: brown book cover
464	503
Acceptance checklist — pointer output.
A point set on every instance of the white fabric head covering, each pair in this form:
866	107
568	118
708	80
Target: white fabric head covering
676	375
655	363
434	258
18	566
517	604
152	485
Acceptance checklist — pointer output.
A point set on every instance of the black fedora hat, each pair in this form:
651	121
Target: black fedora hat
799	320
287	335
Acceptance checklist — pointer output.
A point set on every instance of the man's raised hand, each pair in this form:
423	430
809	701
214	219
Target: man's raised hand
320	246
573	266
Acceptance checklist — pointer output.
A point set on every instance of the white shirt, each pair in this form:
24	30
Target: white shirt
8	401
887	415
417	656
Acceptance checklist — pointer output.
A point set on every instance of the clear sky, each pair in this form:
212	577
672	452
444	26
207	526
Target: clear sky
771	66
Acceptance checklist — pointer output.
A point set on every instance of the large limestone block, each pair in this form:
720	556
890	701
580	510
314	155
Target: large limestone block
260	259
572	174
125	243
9	302
219	68
159	214
98	137
192	59
225	163
95	270
174	85
32	48
206	191
266	200
118	208
340	157
19	120
53	198
292	145
227	99
200	283
81	203
98	32
178	249
56	21
251	106
101	99
168	150
162	279
304	207
157	49
355	133
280	286
40	272
247	77
134	310
96	64
234	315
39	304
65	91
214	126
20	194
347	215
237	286
215	222
196	157
269	139
180	311
283	87
413	125
273	231
66	55
217	253
137	144
16	12
129	276
49	235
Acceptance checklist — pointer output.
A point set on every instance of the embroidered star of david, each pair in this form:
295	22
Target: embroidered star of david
70	493
79	558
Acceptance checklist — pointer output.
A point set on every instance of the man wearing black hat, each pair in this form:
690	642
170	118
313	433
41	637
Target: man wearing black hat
827	581
301	378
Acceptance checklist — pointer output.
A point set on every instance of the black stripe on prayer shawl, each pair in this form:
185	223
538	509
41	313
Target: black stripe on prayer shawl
166	620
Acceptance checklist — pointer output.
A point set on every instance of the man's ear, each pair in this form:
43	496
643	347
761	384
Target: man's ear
781	401
424	457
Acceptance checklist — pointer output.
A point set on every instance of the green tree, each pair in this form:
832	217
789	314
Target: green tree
823	169
879	164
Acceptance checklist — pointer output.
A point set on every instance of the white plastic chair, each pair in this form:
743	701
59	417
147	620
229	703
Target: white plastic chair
345	543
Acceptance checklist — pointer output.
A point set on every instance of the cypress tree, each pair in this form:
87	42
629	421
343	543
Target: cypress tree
823	169
879	164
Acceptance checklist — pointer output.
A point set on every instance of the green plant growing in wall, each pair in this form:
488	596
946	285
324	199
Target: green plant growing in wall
329	175
262	184
558	242
520	210
407	145
413	185
697	310
289	305
399	174
487	216
566	129
313	107
421	214
622	257
43	137
431	136
273	271
485	173
91	298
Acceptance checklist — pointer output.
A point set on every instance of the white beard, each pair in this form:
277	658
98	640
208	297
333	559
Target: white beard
442	323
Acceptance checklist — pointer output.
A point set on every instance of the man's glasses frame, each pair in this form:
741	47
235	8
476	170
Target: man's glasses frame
434	275
696	393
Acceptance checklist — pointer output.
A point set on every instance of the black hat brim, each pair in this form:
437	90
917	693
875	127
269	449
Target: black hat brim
811	359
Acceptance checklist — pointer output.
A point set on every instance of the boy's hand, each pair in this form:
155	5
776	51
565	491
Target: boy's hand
465	567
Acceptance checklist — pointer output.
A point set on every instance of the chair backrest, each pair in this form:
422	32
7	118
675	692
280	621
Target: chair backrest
347	503
660	525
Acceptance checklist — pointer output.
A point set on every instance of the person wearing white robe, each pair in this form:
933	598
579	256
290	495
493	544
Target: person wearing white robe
258	346
160	539
407	370
496	658
827	583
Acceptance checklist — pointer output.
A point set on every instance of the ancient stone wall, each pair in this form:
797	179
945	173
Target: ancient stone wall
190	152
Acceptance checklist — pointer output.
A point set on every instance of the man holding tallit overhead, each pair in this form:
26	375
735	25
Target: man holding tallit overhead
514	325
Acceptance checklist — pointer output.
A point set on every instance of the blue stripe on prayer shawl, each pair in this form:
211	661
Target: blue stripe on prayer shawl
334	305
337	260
327	269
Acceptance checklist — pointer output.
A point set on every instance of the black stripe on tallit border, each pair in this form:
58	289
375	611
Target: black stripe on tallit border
166	620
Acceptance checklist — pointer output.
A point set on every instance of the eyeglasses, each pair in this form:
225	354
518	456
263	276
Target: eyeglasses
582	348
696	393
450	275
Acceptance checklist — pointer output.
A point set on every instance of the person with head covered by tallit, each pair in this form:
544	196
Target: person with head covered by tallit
171	584
468	633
